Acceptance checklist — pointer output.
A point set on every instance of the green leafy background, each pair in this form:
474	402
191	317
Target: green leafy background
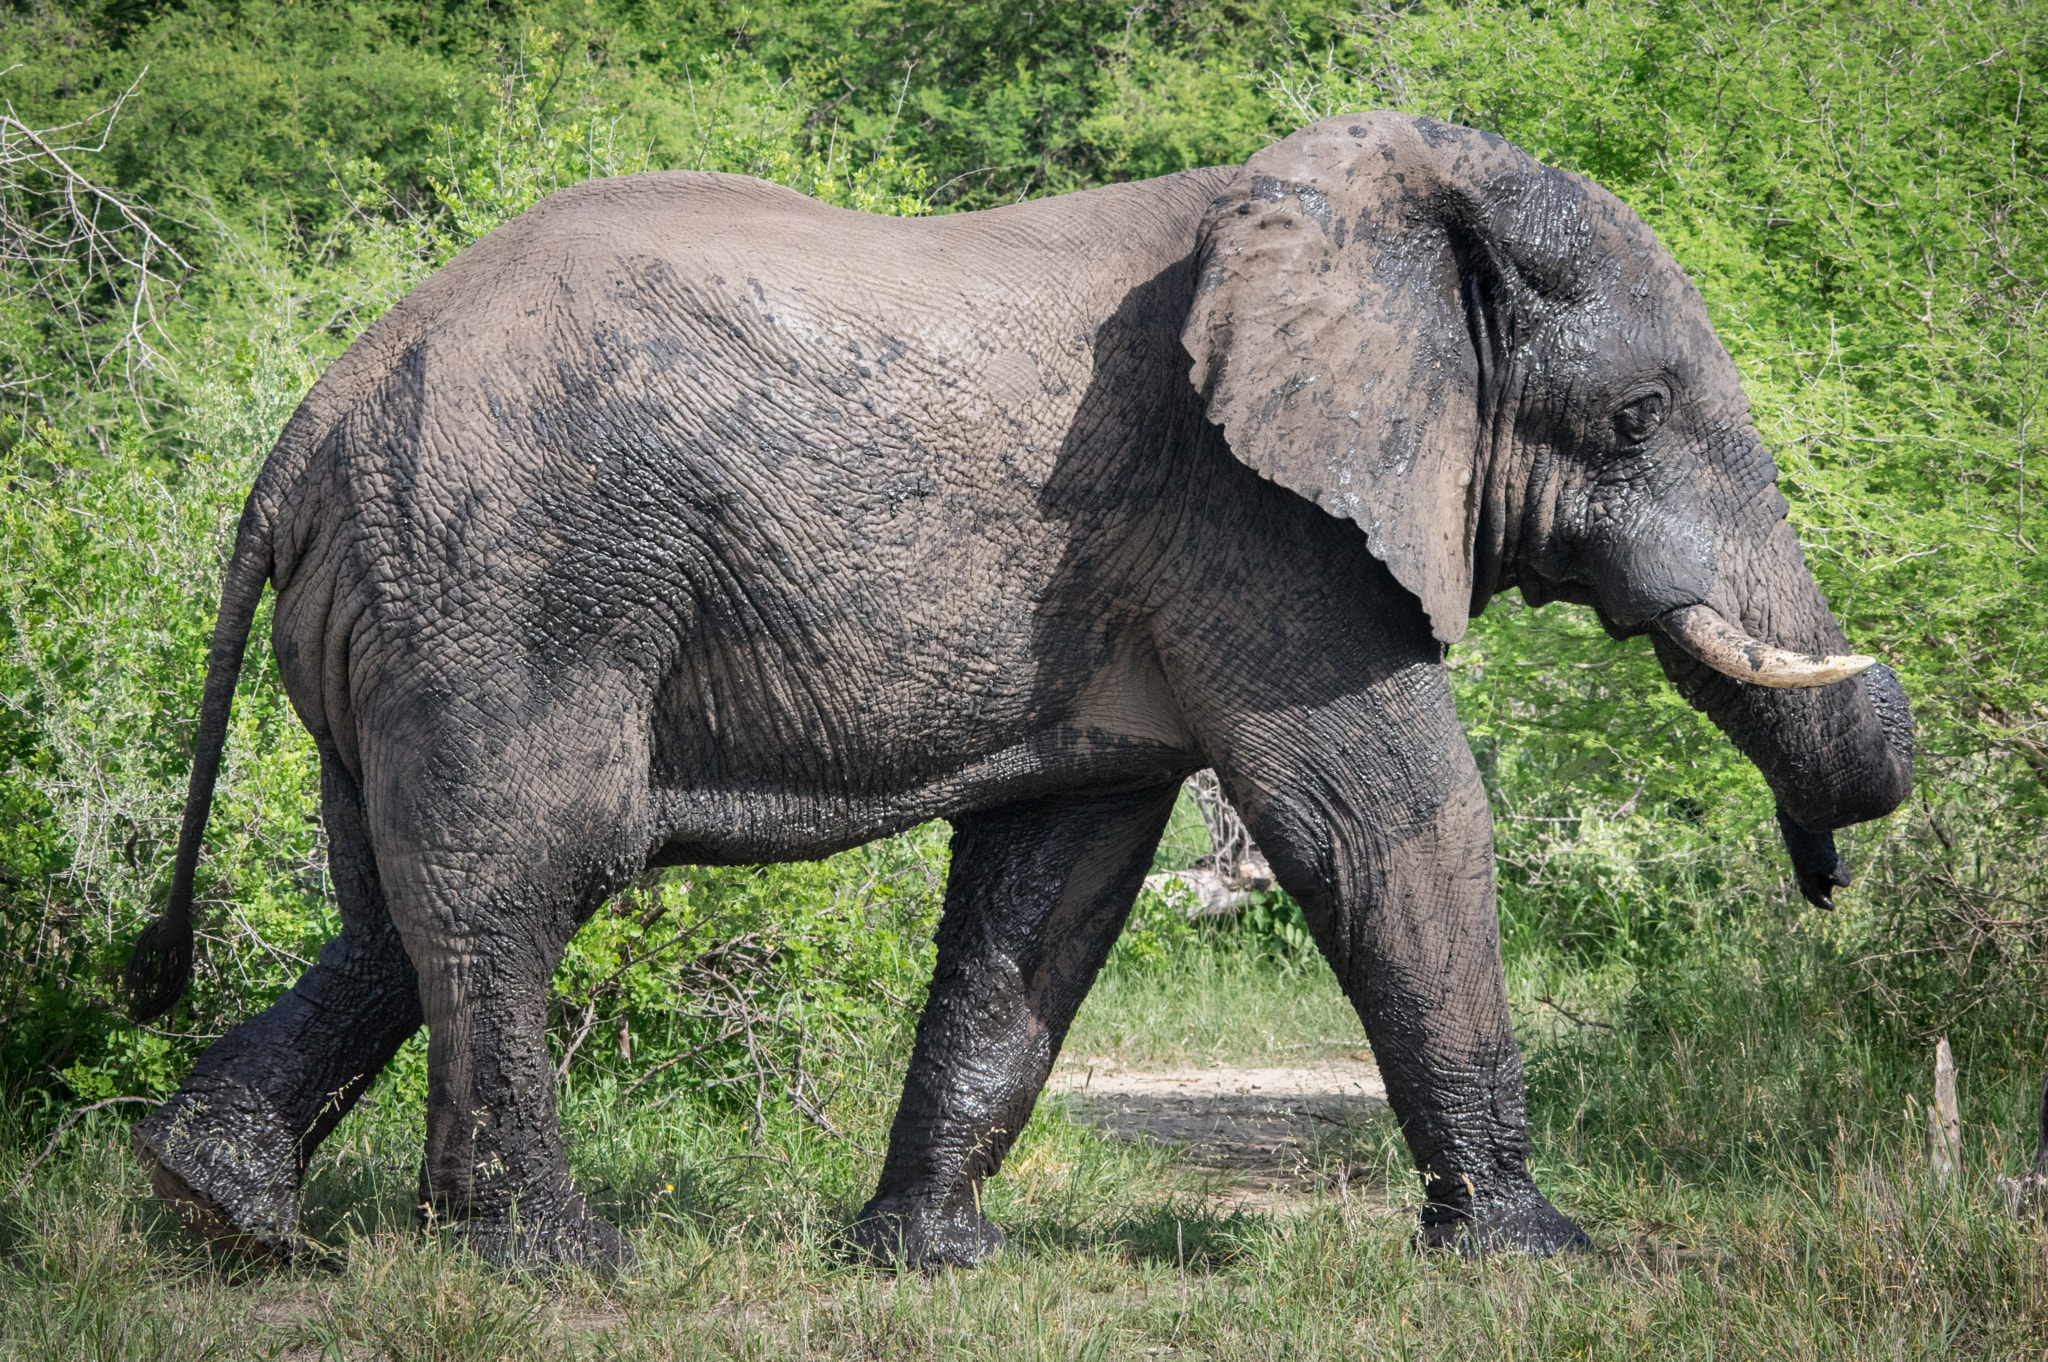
1856	188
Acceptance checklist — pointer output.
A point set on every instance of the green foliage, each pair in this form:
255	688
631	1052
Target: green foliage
1856	190
110	574
1160	934
748	982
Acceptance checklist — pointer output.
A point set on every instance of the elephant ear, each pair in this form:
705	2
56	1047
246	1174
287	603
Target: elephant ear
1347	328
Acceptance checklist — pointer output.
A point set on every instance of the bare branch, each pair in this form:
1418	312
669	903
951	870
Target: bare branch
81	253
72	1120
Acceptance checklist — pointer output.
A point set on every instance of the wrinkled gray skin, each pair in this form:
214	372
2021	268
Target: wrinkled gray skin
685	520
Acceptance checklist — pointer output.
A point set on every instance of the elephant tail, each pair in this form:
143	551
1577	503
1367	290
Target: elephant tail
161	966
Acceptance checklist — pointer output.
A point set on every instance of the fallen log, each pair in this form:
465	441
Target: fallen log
1213	894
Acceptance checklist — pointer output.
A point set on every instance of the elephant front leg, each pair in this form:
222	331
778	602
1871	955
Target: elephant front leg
1037	894
1379	826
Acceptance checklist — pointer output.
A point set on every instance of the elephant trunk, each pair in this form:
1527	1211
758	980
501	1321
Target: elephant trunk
1830	731
1834	755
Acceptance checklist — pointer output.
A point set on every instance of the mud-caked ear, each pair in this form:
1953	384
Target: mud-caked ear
1346	328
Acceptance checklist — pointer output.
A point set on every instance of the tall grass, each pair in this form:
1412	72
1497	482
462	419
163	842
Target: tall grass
1745	1200
1726	1085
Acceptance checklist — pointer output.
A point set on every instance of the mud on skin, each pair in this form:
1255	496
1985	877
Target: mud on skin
678	522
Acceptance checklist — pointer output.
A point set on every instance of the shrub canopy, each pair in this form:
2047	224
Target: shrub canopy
1857	190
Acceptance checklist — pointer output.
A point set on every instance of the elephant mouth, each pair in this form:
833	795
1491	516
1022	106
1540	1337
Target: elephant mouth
1707	636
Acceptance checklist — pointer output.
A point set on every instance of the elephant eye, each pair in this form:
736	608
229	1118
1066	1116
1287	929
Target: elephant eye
1639	420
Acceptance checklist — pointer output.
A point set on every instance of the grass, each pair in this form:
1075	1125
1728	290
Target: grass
1215	1004
1746	1198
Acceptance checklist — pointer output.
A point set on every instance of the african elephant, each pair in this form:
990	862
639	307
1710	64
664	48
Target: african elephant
685	520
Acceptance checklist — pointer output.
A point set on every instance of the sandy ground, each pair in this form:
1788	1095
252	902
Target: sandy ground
1259	1129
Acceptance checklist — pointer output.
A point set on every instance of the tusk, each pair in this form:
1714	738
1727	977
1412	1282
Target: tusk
1702	632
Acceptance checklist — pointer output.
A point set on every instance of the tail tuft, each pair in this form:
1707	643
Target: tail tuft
160	968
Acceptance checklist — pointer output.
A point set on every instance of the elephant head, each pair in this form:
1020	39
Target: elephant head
1497	371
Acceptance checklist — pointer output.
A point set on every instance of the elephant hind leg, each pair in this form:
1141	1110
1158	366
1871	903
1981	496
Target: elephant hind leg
492	864
229	1149
1037	894
496	1168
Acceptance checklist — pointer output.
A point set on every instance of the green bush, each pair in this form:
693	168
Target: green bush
111	572
112	561
1856	190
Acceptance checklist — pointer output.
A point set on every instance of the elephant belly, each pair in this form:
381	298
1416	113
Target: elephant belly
777	780
737	826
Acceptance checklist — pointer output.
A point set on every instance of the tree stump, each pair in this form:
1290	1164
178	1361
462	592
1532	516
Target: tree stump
1944	1119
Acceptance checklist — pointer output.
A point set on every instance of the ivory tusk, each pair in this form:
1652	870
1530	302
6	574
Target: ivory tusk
1705	634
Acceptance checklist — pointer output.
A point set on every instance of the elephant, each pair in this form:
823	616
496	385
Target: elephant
684	520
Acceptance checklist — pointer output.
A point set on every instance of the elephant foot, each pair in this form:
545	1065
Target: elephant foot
901	1233
227	1167
567	1236
1521	1221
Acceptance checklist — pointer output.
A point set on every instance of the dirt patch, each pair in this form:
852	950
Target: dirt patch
1266	1131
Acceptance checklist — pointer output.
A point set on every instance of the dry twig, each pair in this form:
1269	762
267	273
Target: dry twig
70	1121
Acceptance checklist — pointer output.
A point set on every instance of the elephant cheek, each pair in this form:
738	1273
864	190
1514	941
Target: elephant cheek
1659	558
